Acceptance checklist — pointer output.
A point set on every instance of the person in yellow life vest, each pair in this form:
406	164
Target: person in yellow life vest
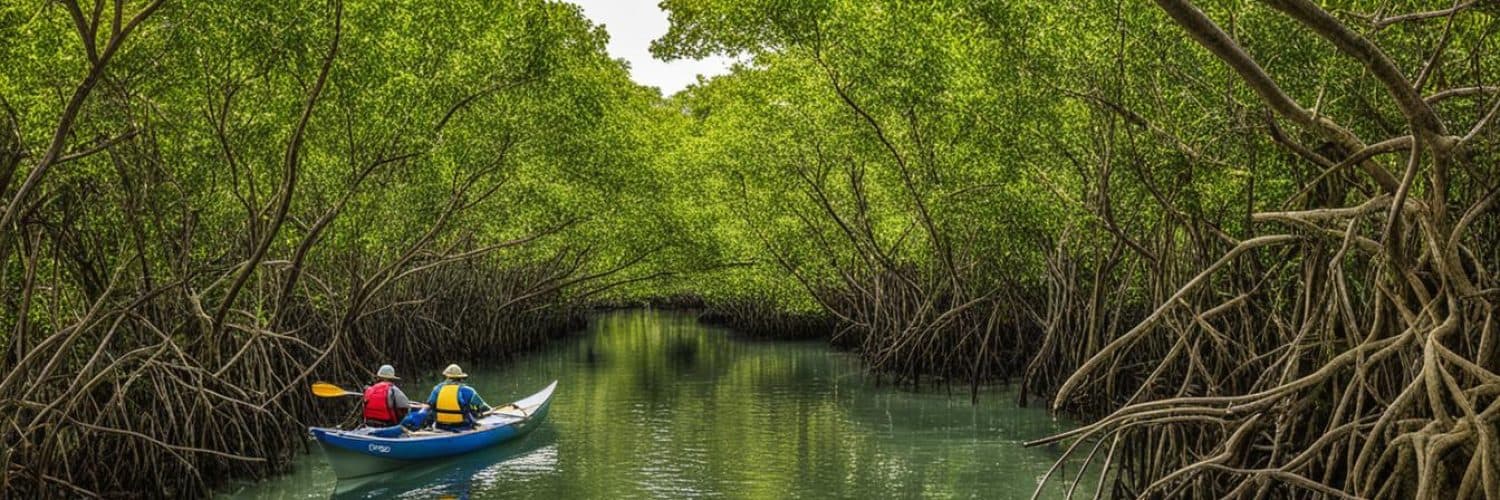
455	404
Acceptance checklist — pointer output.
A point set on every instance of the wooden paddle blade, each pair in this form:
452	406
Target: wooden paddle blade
327	390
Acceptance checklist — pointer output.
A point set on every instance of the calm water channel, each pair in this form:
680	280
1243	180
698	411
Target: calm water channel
654	405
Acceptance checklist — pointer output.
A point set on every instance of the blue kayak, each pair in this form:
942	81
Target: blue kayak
372	450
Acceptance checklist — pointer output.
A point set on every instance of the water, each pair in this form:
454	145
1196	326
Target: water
652	404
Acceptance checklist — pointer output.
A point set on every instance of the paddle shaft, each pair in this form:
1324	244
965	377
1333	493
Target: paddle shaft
328	390
512	405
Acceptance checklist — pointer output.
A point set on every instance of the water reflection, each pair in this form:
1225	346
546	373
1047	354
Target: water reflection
654	405
458	477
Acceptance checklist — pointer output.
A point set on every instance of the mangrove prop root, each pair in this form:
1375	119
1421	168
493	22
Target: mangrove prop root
1359	364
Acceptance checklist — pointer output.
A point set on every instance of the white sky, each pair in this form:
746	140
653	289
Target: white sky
632	25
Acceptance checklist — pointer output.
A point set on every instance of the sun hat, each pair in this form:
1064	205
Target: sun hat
453	371
387	372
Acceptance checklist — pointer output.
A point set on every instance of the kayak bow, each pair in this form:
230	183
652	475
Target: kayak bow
372	450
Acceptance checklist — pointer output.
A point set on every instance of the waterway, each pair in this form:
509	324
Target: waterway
652	404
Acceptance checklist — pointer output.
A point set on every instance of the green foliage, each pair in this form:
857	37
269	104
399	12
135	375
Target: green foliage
858	116
521	94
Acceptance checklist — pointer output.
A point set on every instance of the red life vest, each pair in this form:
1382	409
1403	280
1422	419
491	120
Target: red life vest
378	404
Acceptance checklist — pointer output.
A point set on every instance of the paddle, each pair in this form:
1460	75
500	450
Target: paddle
327	390
512	405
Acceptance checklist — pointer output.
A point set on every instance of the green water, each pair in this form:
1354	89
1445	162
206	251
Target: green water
654	405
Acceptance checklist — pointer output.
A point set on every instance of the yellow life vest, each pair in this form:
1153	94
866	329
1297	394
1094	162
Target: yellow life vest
448	409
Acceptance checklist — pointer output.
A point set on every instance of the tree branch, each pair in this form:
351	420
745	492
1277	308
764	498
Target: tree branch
1210	36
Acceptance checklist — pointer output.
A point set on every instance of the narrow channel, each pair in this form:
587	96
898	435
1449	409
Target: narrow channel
653	404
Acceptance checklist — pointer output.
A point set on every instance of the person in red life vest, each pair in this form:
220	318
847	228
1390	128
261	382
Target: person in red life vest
385	404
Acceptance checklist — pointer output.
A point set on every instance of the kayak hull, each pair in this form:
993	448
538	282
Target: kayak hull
372	450
349	464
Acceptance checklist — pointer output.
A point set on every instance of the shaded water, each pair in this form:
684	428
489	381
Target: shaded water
652	404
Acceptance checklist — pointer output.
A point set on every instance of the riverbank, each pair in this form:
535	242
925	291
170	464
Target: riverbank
988	343
199	413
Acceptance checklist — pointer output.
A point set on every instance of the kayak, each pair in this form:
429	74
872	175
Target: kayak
372	450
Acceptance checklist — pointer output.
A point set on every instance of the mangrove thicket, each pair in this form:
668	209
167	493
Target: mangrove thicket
1251	244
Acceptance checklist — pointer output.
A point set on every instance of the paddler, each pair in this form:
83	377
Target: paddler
455	404
385	404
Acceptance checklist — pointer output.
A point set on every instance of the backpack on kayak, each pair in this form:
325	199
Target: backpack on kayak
417	419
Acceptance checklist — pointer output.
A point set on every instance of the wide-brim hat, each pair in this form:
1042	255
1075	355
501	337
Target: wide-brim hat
387	372
453	371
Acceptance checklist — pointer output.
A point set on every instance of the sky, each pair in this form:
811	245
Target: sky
632	25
